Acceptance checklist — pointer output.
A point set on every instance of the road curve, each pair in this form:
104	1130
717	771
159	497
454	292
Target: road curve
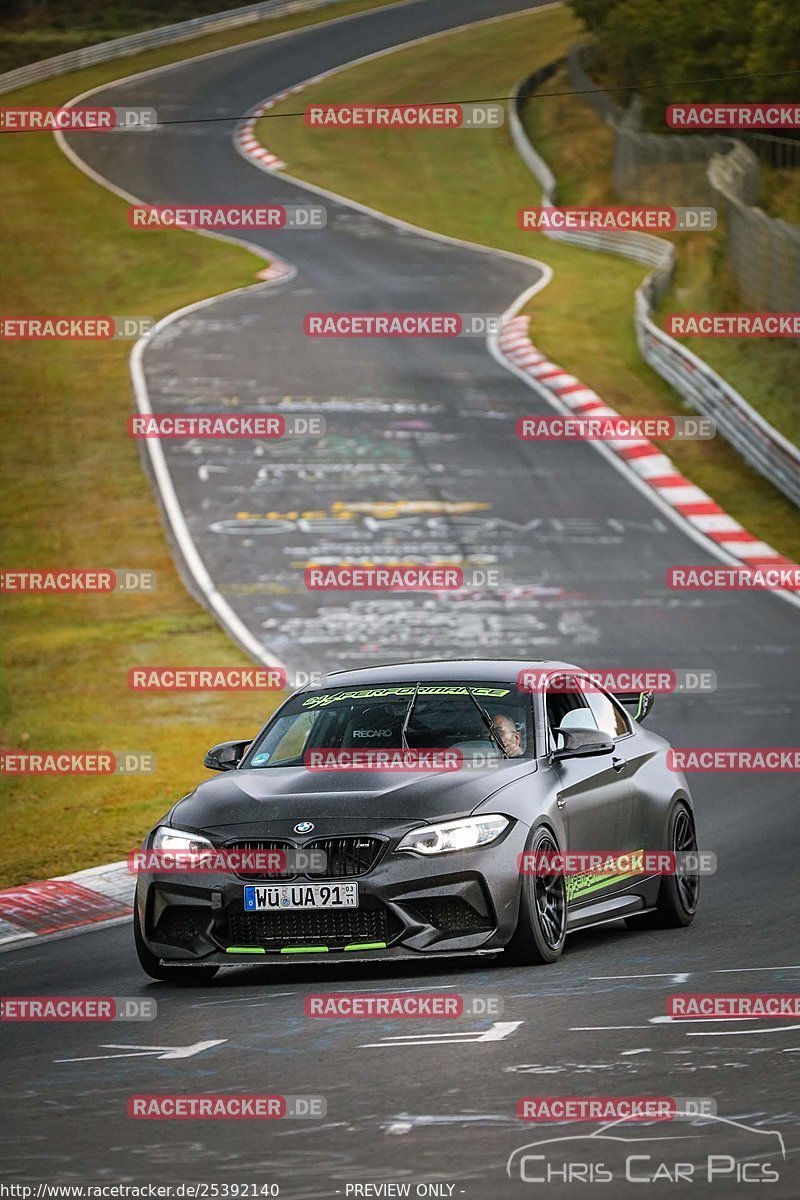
584	556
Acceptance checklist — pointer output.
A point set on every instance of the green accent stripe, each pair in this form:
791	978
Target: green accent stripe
578	886
596	885
304	950
245	950
366	946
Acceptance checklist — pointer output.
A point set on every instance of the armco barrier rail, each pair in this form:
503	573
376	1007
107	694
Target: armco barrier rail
150	39
720	170
762	446
763	252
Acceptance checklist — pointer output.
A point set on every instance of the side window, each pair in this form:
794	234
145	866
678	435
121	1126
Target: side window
609	716
567	708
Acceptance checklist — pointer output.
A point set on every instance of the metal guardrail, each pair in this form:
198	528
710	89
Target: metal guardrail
763	252
720	170
150	39
759	443
771	149
646	165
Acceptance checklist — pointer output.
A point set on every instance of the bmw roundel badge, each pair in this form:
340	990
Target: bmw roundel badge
303	827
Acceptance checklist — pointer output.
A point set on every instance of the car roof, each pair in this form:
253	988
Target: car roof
441	670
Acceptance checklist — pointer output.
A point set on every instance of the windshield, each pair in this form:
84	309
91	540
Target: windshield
474	718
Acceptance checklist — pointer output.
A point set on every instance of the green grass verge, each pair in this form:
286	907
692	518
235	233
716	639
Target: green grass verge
75	495
779	194
470	184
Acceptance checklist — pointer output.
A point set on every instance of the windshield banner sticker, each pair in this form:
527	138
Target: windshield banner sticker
324	698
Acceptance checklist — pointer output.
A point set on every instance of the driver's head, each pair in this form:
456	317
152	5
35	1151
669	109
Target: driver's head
508	733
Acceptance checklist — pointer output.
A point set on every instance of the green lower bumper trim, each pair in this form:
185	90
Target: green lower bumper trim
304	950
366	946
245	950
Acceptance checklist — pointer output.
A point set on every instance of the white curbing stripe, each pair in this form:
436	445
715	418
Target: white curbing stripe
110	887
653	466
114	880
717	523
245	138
639	455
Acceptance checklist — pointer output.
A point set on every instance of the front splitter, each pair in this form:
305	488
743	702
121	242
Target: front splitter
271	958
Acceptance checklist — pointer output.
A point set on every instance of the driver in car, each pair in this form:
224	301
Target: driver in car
509	735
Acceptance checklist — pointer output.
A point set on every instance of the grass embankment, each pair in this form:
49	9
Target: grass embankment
470	184
75	496
779	194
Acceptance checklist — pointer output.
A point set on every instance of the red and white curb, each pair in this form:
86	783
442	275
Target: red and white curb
245	138
53	907
246	142
641	456
277	272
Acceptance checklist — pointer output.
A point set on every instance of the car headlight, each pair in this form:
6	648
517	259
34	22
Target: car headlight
178	839
464	834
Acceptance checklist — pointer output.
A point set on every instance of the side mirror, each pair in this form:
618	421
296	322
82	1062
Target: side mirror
581	743
226	756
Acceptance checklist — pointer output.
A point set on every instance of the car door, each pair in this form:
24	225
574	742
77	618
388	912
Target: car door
593	793
644	756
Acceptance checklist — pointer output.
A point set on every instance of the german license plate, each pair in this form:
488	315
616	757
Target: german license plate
273	897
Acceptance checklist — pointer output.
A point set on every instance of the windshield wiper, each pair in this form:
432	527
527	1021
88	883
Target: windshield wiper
487	720
407	718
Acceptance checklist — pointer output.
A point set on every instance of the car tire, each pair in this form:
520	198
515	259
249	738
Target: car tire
151	965
542	923
678	894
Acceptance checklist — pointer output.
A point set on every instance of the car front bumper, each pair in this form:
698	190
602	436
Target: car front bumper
410	906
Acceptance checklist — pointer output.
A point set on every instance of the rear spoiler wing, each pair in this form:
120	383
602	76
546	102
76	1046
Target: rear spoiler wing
642	702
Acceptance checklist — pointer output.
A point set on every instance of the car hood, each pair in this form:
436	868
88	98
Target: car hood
272	797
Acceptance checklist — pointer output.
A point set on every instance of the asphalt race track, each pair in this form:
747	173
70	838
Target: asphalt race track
583	555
